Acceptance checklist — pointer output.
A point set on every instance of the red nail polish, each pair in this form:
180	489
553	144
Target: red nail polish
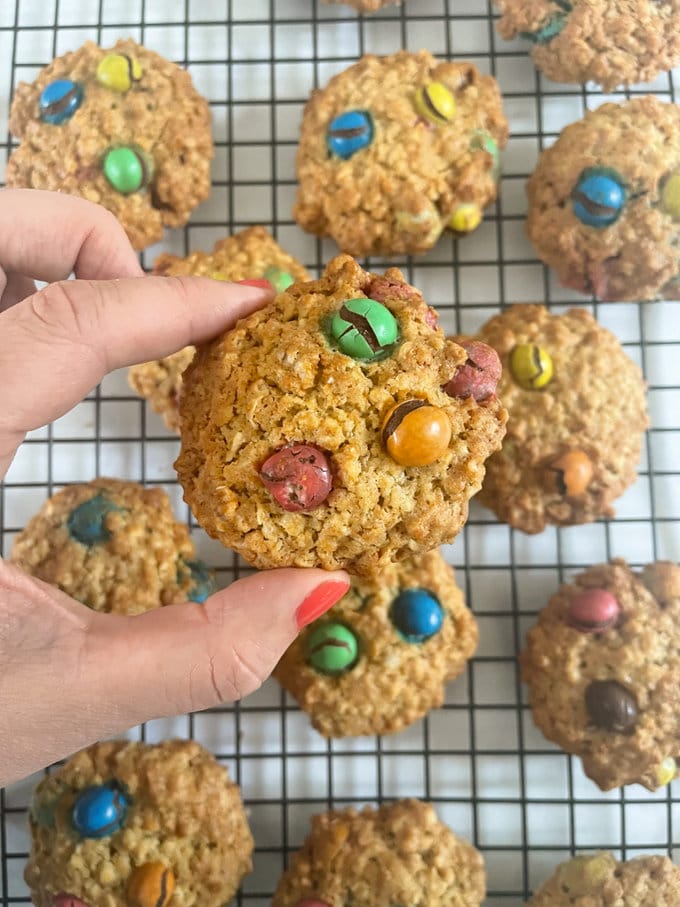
261	284
319	601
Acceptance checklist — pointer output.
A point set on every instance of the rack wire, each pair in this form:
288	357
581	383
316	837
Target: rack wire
489	772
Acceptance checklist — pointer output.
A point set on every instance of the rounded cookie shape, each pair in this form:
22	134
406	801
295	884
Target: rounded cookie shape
426	164
612	243
183	837
398	854
133	135
250	254
599	880
279	380
114	546
611	696
573	442
413	632
611	42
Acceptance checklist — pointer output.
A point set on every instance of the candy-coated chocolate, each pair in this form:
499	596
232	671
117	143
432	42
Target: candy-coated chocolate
118	72
465	218
364	329
547	32
478	377
279	278
598	197
59	101
298	477
571	473
203	581
349	133
415	433
126	169
417	614
531	366
99	810
593	611
482	141
151	885
584	875
666	771
87	523
67	900
332	648
670	196
611	706
435	102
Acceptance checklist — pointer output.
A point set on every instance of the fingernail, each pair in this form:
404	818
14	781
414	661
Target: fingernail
319	601
262	284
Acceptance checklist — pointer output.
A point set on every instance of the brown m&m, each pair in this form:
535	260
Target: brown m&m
611	706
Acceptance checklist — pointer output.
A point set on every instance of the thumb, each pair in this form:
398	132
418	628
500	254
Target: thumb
183	658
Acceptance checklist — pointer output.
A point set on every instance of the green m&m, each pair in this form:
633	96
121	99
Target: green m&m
332	648
126	168
364	329
278	278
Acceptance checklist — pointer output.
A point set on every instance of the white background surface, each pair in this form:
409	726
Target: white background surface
492	775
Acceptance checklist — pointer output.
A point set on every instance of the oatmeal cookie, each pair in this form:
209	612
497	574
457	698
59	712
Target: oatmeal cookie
252	253
604	202
317	431
598	880
379	659
397	854
121	127
611	42
396	149
603	670
126	824
114	546
577	416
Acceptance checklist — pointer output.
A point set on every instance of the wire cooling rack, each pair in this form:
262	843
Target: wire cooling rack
491	775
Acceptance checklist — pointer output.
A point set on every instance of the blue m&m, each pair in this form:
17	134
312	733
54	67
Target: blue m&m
59	101
598	197
100	810
416	614
203	581
87	523
349	133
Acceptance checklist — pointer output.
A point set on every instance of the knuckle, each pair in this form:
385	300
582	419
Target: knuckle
59	307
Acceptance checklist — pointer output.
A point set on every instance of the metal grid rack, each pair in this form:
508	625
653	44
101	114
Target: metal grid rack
490	773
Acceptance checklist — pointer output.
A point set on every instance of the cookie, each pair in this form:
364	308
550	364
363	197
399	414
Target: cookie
604	202
603	670
252	253
114	546
317	432
397	854
395	150
611	42
134	825
121	127
380	658
577	414
598	880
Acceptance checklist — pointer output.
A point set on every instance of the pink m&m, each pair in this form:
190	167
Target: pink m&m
593	611
67	900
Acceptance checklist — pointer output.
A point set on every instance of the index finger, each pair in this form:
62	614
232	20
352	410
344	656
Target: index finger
49	235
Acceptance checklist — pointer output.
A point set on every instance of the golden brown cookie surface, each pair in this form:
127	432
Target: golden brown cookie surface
598	880
577	413
297	451
603	672
398	854
250	254
114	546
119	818
604	202
396	149
379	659
124	128
613	42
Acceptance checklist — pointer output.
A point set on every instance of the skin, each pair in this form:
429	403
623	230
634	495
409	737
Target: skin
71	676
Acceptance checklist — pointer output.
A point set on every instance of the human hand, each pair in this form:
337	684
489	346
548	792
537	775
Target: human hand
70	675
